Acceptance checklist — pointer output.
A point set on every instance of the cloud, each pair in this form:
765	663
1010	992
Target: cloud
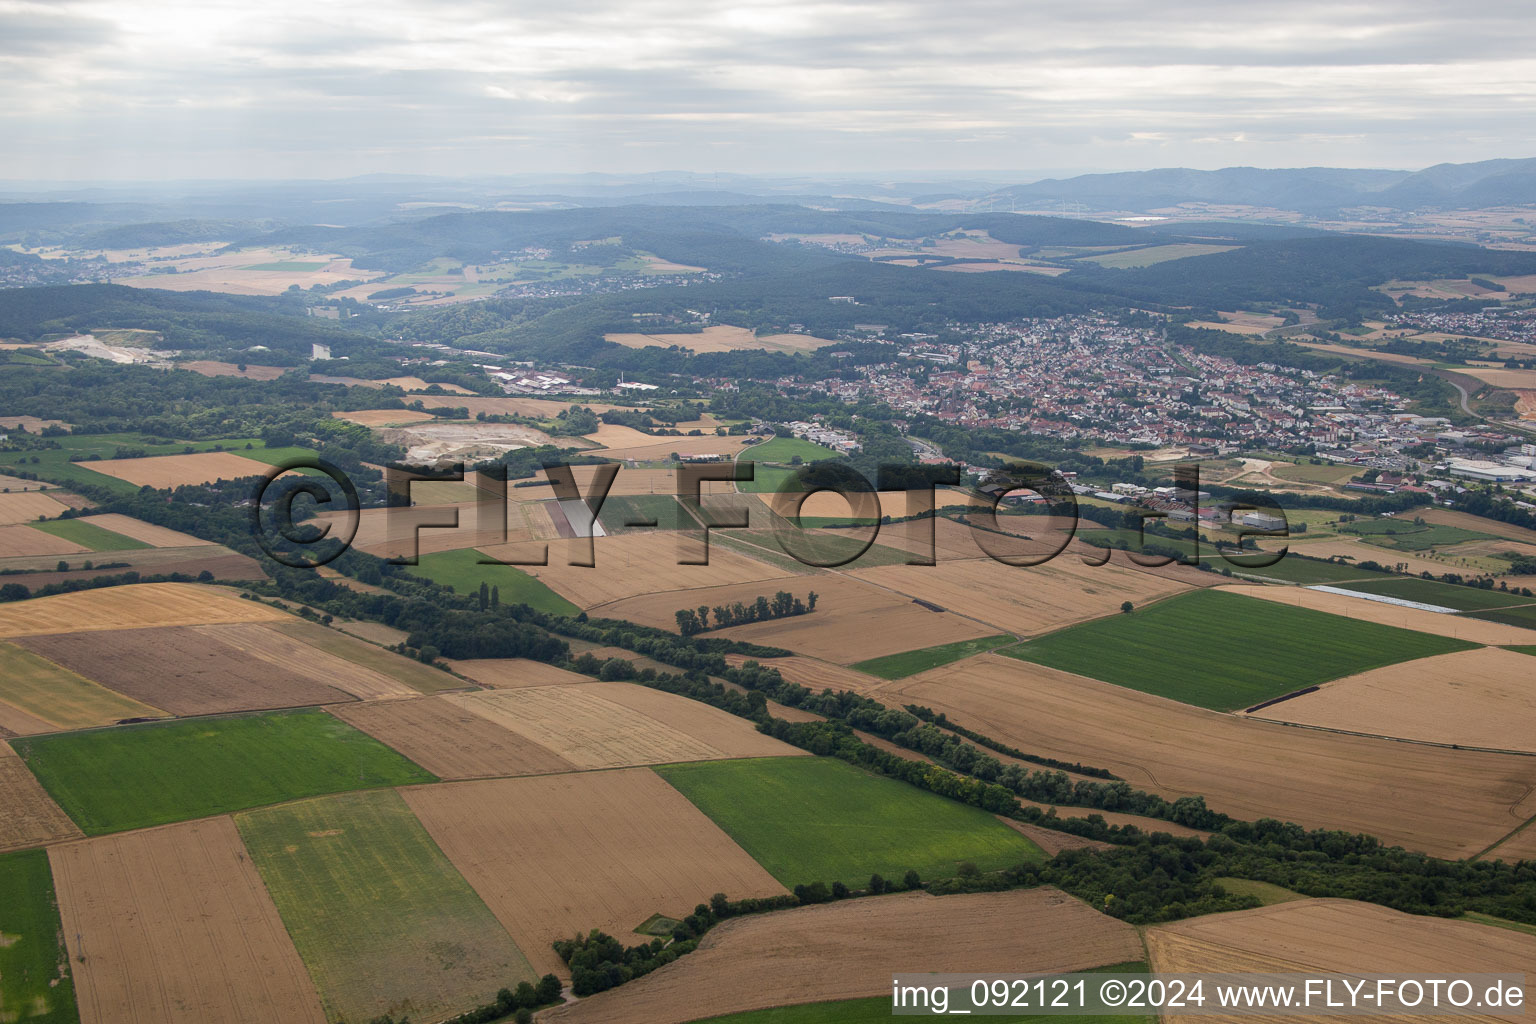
348	87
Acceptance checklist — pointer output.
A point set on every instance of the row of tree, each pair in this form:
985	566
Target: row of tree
692	621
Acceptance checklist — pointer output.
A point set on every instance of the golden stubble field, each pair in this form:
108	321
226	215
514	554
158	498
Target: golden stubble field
1449	803
162	471
21	540
848	949
173	925
723	338
28	815
28	506
136	606
611	849
1337	937
1480	698
449	740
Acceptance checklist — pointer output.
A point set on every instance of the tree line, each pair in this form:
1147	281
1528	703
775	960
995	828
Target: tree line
783	604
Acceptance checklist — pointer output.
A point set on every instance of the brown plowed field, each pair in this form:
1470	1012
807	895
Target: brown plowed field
849	949
174	926
1481	698
28	506
161	471
450	741
155	536
512	673
138	606
588	726
1458	626
28	815
635	564
23	540
1337	936
853	620
610	850
1023	599
1450	803
190	670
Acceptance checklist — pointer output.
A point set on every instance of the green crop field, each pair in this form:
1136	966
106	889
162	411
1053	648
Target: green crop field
125	777
663	508
1446	595
1526	650
1297	568
1404	535
1306	472
462	571
53	464
1226	651
809	819
384	922
35	985
898	666
1522	616
782	449
89	535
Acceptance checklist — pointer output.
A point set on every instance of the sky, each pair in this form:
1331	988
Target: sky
122	89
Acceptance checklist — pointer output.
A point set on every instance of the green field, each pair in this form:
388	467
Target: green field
1266	893
782	449
1499	922
1227	651
898	666
89	535
1297	568
1446	595
1404	535
462	571
35	984
125	777
53	464
1306	472
809	819
384	922
1523	616
663	508
290	265
1525	650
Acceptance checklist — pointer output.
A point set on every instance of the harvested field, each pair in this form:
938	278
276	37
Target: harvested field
23	540
626	482
1337	936
31	424
59	697
135	776
16	483
1459	627
637	564
723	338
384	417
1449	803
194	670
853	620
28	815
1499	378
845	950
213	368
537	408
654	449
1480	698
1023	599
384	923
28	506
611	849
1359	551
220	561
1478	524
366	670
812	672
1520	846
154	536
449	740
1116	818
1052	842
132	607
619	725
163	471
174	926
16	722
511	673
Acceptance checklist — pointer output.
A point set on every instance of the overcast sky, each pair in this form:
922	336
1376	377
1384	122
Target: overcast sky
119	89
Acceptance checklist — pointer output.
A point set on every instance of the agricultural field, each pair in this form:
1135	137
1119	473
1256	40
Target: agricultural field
723	338
618	725
654	853
1443	595
875	1010
1406	536
93	449
1469	627
1523	617
28	506
449	740
819	819
1298	567
21	540
362	669
1476	524
806	550
383	921
28	815
138	606
35	982
250	272
1448	803
89	535
463	571
782	449
899	666
1133	258
1217	650
1477	698
511	673
174	926
162	471
620	511
811	672
1337	936
137	776
1329	473
148	533
846	950
60	698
